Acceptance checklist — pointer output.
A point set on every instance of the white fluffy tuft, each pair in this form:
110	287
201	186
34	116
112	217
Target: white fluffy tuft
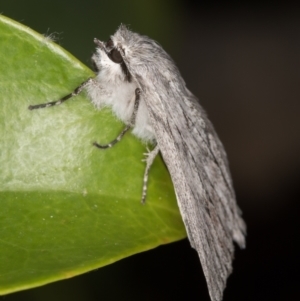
111	89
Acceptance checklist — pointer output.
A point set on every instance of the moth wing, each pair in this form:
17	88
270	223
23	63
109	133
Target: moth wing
198	166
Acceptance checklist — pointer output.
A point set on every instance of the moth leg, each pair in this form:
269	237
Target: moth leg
128	127
116	140
60	101
150	156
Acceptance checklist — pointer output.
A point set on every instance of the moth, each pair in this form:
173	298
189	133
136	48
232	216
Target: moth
142	85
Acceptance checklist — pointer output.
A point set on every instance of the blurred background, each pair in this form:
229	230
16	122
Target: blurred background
242	60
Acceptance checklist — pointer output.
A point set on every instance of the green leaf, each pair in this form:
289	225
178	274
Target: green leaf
67	207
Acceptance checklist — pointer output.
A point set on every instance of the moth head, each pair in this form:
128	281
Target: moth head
109	60
142	55
130	55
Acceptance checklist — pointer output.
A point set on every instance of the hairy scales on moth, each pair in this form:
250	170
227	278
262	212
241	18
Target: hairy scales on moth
144	88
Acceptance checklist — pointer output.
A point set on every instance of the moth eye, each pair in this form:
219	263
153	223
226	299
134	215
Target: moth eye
116	56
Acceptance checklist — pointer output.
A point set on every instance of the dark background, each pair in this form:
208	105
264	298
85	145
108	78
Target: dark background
242	60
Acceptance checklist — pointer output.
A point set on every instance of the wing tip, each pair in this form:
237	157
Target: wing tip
239	235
